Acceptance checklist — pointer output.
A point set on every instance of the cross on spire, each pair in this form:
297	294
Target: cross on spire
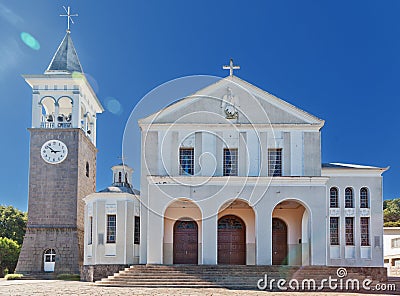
231	67
69	17
122	158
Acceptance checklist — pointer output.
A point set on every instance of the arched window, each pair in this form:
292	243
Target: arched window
87	169
48	112
334	197
126	178
119	177
348	198
64	117
364	200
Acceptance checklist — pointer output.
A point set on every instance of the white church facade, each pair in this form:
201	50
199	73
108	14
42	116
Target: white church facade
233	175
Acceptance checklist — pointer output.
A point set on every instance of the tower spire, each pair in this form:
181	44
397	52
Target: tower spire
69	17
65	60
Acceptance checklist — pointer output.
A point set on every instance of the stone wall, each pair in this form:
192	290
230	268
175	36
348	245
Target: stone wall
92	273
86	185
37	240
55	206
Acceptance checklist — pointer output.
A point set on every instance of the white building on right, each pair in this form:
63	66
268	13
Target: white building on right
391	250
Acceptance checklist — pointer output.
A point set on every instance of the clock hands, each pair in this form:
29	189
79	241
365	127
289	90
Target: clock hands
52	150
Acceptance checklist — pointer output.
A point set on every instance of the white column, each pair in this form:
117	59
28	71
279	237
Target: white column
296	153
208	161
174	158
243	153
36	111
155	238
125	228
263	235
197	152
76	111
96	228
91	128
56	112
155	224
219	153
144	197
209	243
143	229
319	235
94	130
263	154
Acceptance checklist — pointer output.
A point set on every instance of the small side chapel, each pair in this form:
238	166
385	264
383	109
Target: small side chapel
112	225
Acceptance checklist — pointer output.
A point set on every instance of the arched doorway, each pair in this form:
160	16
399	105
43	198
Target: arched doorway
49	259
290	233
231	240
185	210
279	242
185	247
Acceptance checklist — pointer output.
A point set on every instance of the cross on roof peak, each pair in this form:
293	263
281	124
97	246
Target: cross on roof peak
69	17
231	67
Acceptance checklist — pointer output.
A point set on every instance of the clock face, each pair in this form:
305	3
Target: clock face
54	151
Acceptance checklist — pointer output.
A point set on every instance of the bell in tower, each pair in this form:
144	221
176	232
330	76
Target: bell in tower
62	96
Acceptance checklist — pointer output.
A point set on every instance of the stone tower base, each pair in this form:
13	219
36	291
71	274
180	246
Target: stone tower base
64	240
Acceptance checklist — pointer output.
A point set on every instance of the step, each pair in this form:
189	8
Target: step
155	283
241	277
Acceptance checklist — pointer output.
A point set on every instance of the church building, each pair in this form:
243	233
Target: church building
229	175
233	175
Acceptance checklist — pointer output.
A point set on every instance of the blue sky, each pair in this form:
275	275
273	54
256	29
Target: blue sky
338	60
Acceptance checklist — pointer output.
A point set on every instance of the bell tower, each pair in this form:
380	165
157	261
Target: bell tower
62	164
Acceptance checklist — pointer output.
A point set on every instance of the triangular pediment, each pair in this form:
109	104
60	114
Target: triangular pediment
232	100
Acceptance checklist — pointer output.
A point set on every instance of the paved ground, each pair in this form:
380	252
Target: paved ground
50	287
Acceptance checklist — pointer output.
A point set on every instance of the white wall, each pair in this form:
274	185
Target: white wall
123	251
389	234
357	255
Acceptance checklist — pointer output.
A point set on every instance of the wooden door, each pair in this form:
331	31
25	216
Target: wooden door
185	247
279	242
231	240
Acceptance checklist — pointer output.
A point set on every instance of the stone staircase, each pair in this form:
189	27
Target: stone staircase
233	276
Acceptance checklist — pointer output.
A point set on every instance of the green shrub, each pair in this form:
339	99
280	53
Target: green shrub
13	276
68	277
9	252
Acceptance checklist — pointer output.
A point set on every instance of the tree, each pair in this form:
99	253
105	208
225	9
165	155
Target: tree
9	252
391	212
12	223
